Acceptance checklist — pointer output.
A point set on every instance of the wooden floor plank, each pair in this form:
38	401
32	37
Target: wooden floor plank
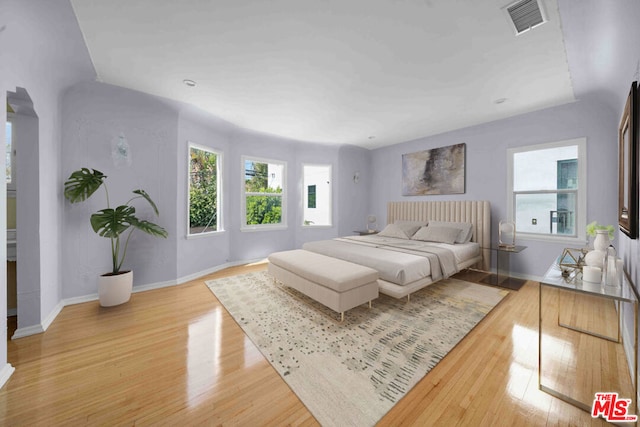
174	356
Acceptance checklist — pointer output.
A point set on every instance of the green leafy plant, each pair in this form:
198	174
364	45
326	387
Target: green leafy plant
594	226
108	222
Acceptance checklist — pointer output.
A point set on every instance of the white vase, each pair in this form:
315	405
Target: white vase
115	289
595	258
601	242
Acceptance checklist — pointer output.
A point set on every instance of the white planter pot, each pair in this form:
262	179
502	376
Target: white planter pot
115	289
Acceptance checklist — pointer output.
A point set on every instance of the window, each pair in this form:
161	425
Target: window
264	195
317	195
9	155
204	190
311	197
547	190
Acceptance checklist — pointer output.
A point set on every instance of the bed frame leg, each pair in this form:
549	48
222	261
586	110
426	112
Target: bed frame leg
409	298
341	316
369	303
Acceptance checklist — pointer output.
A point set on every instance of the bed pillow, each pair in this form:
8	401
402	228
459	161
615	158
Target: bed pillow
437	233
465	229
393	230
409	227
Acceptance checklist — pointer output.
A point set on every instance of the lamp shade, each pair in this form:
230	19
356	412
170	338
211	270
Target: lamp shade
507	234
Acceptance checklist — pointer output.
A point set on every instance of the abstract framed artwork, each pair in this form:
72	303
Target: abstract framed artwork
628	167
435	171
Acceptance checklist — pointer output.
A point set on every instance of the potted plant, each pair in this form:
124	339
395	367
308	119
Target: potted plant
115	287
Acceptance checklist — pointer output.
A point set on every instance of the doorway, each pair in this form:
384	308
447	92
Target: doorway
23	193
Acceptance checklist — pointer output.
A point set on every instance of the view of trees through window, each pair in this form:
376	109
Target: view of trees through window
263	192
203	190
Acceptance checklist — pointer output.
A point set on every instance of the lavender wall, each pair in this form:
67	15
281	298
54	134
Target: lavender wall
486	168
353	200
158	132
94	115
611	35
246	245
42	51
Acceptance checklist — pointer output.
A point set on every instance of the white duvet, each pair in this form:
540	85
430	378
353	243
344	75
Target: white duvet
398	261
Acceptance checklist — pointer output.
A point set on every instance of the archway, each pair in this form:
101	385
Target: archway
25	124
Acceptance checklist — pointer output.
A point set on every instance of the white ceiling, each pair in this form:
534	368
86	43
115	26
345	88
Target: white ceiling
363	72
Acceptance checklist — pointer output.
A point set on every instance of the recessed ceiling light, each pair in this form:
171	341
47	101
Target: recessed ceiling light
499	100
189	83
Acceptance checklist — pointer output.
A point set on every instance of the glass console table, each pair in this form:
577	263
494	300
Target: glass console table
585	350
502	277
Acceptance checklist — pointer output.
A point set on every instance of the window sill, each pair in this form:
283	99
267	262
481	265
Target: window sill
250	229
312	227
203	235
575	241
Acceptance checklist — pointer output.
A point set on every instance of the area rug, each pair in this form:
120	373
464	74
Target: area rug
352	373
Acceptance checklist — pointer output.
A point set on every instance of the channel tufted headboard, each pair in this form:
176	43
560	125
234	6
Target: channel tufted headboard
477	212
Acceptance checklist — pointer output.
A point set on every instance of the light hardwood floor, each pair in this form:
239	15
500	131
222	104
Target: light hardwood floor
174	356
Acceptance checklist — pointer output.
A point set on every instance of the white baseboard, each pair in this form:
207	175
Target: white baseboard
211	270
52	315
27	331
5	374
38	329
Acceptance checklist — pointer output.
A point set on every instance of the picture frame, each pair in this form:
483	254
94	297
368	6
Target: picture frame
435	171
627	166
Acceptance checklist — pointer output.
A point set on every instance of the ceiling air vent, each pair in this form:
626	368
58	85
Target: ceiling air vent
525	15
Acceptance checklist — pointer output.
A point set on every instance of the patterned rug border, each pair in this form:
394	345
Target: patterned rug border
287	363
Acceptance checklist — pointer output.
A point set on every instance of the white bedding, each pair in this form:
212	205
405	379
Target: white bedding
399	261
463	252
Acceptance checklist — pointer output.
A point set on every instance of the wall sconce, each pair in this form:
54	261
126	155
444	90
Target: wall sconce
356	177
120	151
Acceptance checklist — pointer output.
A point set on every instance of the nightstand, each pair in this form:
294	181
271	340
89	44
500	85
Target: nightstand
502	277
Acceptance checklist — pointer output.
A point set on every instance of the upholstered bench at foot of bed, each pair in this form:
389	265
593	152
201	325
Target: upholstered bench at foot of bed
337	284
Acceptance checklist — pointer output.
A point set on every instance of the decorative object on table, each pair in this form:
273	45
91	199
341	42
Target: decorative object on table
372	223
627	166
591	274
571	260
114	288
610	268
507	234
603	235
436	171
620	271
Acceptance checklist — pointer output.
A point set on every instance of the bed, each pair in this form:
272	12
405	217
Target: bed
418	246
